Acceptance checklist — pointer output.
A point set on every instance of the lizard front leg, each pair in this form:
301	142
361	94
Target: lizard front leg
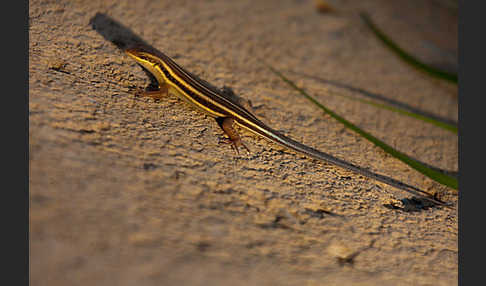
156	94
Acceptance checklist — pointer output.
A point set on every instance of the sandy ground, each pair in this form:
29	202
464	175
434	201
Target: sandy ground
130	191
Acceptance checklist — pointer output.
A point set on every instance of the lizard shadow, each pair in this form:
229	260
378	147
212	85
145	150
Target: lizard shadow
124	38
121	36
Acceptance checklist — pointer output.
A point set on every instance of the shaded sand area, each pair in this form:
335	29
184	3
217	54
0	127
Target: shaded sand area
127	190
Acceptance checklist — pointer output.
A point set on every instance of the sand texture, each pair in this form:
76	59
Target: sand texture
128	190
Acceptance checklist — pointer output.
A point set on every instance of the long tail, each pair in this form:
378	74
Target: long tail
285	141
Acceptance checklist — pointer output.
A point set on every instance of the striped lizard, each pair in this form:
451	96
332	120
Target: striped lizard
227	111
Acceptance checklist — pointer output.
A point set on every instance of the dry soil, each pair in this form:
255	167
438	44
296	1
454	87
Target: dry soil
126	190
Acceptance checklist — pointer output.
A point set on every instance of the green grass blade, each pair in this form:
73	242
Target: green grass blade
443	125
404	55
433	174
388	104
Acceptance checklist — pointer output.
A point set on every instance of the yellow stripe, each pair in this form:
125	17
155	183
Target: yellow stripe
152	63
198	104
181	81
